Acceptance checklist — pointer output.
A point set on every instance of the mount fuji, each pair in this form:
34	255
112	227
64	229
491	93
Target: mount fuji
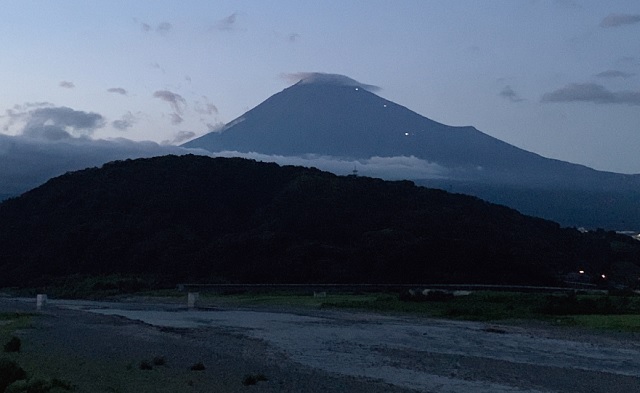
333	115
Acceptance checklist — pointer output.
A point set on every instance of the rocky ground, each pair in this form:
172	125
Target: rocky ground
99	348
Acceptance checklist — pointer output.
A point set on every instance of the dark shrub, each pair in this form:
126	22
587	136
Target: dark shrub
197	367
13	345
159	361
253	379
144	365
9	373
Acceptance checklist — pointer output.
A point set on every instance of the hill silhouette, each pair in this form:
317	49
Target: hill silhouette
331	115
207	219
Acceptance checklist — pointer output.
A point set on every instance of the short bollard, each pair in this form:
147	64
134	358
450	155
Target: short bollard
192	298
41	301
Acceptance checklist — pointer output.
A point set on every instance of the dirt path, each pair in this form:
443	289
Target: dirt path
338	351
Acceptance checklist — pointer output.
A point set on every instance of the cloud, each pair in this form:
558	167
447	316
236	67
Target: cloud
176	118
388	168
126	121
226	24
67	84
617	20
57	123
117	90
592	92
508	93
324	78
26	162
293	37
157	66
164	27
19	113
215	127
205	108
45	121
174	99
180	137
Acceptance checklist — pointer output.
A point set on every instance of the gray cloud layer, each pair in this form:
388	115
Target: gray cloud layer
592	92
57	123
26	163
616	20
389	168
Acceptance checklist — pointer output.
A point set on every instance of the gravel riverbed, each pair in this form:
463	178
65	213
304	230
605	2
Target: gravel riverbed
98	346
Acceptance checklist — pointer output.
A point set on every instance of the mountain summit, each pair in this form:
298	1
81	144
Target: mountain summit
333	115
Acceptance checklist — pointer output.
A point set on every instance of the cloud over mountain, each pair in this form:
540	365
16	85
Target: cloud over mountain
327	79
592	92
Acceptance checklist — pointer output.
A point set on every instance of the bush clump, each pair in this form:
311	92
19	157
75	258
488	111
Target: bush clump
145	365
159	361
198	367
252	379
9	373
13	345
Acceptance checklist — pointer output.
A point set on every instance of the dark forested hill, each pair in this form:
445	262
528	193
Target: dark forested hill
235	220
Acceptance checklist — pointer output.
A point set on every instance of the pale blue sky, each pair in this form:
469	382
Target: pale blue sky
559	78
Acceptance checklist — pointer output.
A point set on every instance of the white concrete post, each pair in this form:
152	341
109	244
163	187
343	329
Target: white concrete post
192	298
41	301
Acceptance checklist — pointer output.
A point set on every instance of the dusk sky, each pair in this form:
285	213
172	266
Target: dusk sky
559	78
